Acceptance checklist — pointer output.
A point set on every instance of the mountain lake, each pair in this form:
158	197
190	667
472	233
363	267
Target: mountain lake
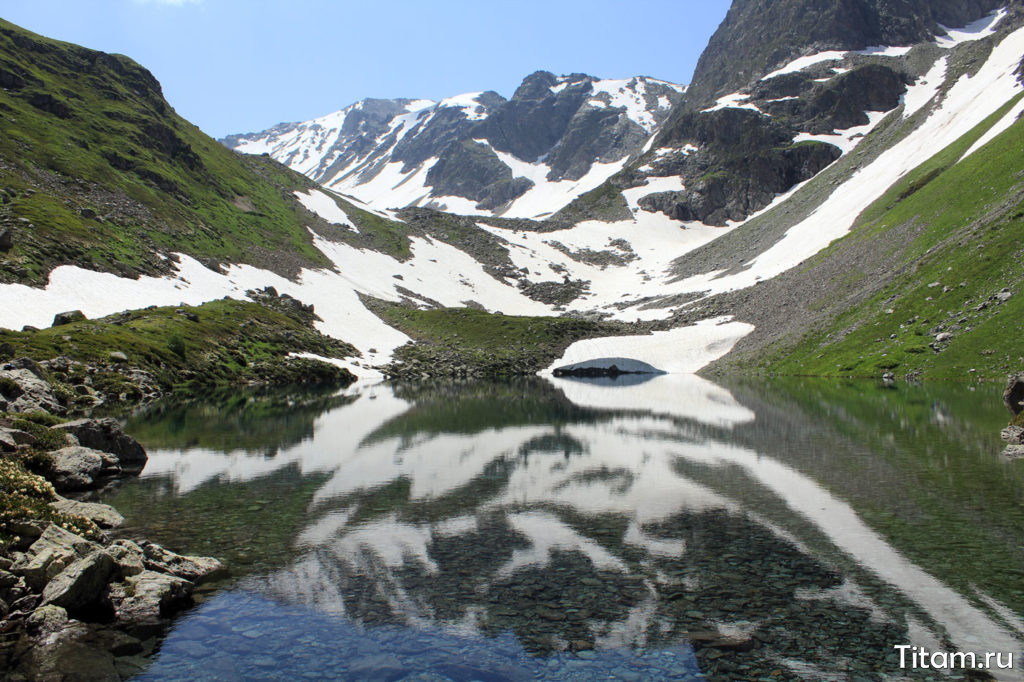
567	529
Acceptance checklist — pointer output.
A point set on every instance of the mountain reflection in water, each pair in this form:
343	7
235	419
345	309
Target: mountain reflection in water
570	528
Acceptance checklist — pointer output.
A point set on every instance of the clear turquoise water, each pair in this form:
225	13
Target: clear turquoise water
671	529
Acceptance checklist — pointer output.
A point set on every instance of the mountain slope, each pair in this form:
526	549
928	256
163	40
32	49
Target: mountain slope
930	276
98	170
734	225
476	153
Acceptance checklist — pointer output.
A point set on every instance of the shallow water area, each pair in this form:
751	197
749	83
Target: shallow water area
560	529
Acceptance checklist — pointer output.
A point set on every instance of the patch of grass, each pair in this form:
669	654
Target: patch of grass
470	341
9	388
220	342
377	233
605	203
47	438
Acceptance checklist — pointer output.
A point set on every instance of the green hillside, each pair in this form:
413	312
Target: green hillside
952	234
96	169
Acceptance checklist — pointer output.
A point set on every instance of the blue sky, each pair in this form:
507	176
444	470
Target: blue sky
244	65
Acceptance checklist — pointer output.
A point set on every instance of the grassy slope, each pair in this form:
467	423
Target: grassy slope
88	131
489	343
230	341
968	222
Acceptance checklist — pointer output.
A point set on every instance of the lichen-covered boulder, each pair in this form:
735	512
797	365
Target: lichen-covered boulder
81	583
24	390
149	596
76	468
128	556
192	568
103	515
106	435
61	319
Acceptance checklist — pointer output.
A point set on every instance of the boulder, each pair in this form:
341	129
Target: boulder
6	239
26	529
17	436
106	435
128	556
7	579
76	468
103	515
192	568
149	596
7	442
82	583
118	356
23	389
68	317
1013	396
41	568
47	620
55	550
54	536
69	654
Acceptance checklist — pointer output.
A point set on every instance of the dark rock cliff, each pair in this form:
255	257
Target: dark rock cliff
760	35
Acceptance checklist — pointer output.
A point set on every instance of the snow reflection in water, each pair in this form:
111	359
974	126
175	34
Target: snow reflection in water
580	518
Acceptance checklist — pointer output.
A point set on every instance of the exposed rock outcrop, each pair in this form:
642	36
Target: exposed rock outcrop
76	468
64	585
106	435
23	389
760	35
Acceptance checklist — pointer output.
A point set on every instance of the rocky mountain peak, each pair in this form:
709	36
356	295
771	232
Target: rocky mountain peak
476	151
760	35
535	86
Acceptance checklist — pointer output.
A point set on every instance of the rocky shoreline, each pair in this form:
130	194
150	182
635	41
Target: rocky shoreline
72	599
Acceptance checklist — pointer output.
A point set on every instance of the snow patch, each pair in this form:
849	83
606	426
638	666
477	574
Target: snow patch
547	197
672	183
471	108
631	96
1012	116
849	138
982	28
735	100
324	206
801	63
419	105
391	187
884	51
925	89
683	350
454	204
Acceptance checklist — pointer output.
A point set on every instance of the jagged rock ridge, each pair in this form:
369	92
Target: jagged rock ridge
476	152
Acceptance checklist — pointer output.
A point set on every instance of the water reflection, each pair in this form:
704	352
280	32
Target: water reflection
574	528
